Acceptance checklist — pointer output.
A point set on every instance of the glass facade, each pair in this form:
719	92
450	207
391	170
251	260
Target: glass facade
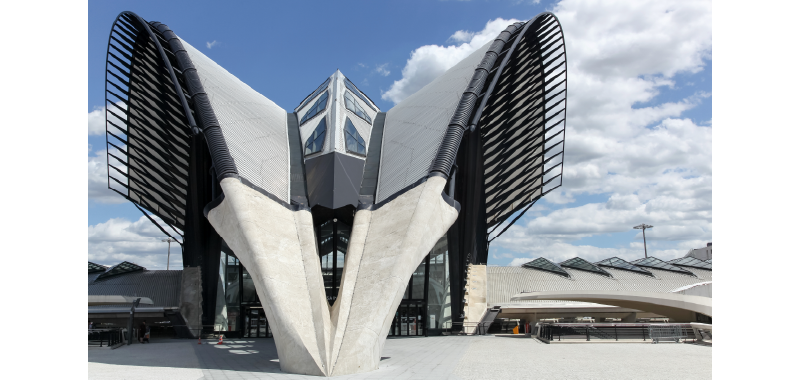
352	105
353	141
439	287
333	237
316	141
318	107
424	310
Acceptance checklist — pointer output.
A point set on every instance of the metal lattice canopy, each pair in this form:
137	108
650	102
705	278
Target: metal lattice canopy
121	268
546	265
653	262
691	262
94	268
581	264
616	262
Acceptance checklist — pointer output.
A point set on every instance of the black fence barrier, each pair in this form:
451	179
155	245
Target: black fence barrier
105	337
597	331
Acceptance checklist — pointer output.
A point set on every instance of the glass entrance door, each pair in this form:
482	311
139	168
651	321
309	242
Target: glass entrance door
256	324
408	320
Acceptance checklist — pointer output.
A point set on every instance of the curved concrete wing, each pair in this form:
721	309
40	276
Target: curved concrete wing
680	307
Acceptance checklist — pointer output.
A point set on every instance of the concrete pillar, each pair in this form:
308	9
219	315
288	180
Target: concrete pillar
278	247
191	302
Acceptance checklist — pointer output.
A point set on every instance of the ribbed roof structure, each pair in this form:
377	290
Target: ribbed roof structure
162	286
505	282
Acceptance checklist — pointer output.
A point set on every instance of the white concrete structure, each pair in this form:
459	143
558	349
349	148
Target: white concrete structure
673	305
277	246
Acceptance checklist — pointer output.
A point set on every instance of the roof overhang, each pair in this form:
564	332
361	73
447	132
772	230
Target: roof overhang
667	304
116	300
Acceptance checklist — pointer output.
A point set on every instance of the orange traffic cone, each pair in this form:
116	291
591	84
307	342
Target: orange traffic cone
220	339
198	340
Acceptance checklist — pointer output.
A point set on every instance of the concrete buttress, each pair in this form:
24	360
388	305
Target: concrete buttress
278	247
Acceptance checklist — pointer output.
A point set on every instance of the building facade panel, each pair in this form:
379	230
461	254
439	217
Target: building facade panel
255	128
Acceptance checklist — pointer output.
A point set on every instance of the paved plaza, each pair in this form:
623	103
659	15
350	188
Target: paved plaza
450	357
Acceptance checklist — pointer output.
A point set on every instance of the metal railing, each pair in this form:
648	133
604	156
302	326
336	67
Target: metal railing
105	337
612	331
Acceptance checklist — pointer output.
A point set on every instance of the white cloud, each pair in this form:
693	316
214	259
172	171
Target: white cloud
655	165
97	119
382	70
98	178
118	240
211	44
430	61
647	160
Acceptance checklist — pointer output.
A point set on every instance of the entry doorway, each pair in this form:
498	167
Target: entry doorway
255	323
408	320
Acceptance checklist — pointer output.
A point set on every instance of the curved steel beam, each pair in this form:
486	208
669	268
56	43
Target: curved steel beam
224	165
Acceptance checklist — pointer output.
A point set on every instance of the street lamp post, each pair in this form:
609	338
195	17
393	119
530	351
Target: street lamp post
169	242
643	227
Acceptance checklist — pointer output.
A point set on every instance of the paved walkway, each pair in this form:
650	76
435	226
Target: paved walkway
452	357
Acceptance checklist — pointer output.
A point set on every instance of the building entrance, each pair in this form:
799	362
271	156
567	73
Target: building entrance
409	320
255	323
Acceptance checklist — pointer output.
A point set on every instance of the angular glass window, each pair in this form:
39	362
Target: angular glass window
579	263
121	268
316	92
353	141
350	86
352	105
546	265
653	262
691	262
94	268
317	139
318	107
617	263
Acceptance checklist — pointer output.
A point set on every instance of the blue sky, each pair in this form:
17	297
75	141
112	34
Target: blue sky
638	142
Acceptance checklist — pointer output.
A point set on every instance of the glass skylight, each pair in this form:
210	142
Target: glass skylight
316	141
350	86
616	262
353	141
316	92
93	268
579	263
653	262
546	265
691	262
318	107
121	268
352	105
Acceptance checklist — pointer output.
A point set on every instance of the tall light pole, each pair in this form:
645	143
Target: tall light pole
169	242
643	227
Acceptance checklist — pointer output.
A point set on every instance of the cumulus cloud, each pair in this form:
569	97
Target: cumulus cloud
642	157
97	118
119	239
211	44
98	177
429	61
652	165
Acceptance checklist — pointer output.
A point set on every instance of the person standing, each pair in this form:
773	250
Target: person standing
142	332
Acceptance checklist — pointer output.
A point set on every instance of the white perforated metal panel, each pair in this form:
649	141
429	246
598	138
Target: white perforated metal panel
505	282
415	127
254	127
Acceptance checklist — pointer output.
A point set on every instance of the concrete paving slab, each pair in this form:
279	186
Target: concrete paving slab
445	357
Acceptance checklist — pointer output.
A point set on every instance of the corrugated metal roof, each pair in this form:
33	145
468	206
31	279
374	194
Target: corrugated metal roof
254	127
415	127
162	286
505	282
